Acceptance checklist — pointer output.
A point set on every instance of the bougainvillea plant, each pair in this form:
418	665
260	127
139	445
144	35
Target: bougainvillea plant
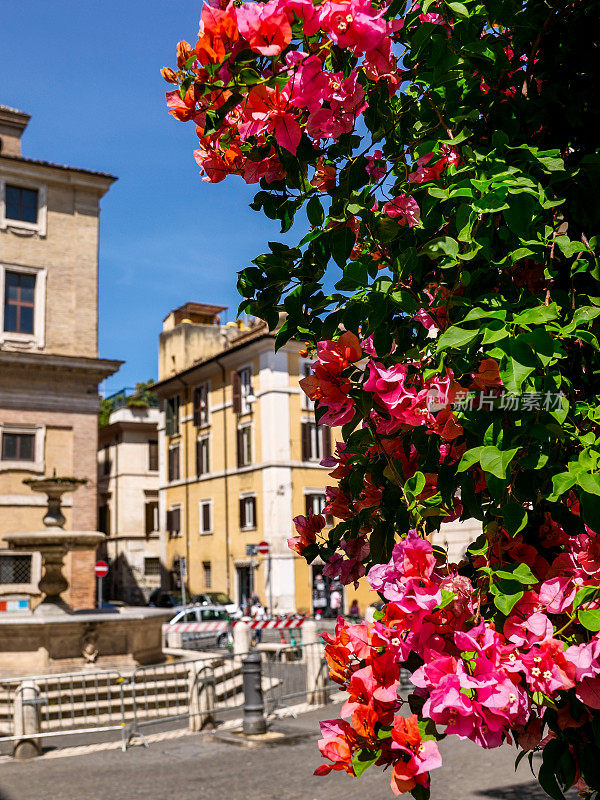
446	157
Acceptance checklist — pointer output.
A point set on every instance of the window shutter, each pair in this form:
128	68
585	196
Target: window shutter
326	434
242	512
169	428
170	521
236	385
253	507
305	441
149	518
197	405
240	448
177	520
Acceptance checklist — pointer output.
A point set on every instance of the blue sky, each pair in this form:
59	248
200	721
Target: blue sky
88	73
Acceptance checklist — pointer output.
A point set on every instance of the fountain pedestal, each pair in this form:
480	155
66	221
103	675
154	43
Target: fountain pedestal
53	637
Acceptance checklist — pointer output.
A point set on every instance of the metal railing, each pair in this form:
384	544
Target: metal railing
196	689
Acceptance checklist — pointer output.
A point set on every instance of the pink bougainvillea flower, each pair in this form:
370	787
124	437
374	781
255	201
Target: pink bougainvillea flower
354	24
405	209
266	29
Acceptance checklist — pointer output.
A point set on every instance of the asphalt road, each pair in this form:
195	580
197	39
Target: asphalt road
191	767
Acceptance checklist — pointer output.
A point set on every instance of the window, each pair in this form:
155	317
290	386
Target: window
106	463
18	446
247	513
201	405
23	207
242	390
316	441
15	569
315	504
153	455
21	204
174	522
19	302
104	519
172	415
22	447
151	516
173	463
202	456
244	446
151	566
205	507
207	568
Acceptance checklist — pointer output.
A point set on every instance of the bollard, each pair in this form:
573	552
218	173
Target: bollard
202	697
26	711
241	641
316	670
254	707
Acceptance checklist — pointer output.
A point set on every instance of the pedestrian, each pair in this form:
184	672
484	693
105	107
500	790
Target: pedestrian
354	612
258	614
335	602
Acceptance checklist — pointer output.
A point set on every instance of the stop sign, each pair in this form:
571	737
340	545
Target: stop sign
101	569
263	548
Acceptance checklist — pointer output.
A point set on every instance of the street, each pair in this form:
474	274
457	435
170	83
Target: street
192	767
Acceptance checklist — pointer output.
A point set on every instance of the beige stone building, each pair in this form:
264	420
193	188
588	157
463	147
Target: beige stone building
128	498
49	365
240	457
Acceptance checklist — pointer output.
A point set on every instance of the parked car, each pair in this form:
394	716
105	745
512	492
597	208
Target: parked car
219	599
204	639
161	599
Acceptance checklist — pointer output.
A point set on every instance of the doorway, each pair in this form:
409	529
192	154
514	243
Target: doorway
327	594
245	584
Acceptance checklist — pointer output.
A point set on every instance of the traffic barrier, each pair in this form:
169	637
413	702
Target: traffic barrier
263	624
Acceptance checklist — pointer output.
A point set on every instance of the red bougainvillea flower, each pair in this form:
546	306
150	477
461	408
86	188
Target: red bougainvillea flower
307	528
418	756
405	209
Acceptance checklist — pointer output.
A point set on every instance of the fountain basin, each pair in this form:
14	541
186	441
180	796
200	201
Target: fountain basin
47	644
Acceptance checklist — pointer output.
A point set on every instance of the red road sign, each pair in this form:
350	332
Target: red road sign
263	548
101	569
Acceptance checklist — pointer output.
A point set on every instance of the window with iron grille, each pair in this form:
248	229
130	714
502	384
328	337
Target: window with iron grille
200	403
203	456
153	455
18	446
15	569
315	504
244	446
151	566
247	513
19	302
173	473
205	508
174	522
172	415
21	204
207	568
316	441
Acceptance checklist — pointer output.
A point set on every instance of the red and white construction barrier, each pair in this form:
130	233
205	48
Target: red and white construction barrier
262	624
276	624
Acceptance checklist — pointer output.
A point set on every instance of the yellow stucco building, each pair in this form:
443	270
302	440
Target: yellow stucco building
239	458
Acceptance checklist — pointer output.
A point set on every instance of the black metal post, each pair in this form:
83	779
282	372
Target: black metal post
254	707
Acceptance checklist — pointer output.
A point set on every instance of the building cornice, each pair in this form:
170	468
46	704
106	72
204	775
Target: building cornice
99	368
59	173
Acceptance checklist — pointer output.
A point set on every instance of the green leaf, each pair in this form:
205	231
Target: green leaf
455	337
469	458
537	316
561	484
496	461
589	619
589	483
314	211
515	517
518	572
459	9
505	603
517	365
362	760
442	245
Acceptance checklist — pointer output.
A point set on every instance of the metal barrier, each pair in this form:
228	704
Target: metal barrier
196	689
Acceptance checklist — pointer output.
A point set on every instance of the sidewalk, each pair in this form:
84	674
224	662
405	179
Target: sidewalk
179	766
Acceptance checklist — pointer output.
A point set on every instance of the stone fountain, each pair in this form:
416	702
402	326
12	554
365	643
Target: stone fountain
55	638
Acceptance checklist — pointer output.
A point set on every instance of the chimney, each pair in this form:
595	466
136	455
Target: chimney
12	125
